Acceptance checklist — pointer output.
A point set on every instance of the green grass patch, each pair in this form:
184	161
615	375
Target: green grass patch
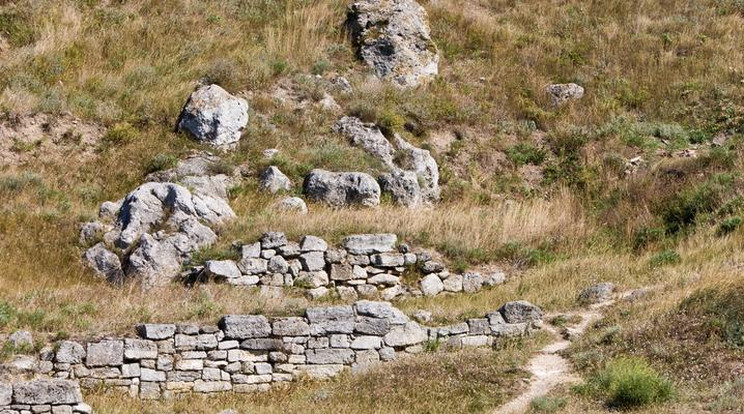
629	383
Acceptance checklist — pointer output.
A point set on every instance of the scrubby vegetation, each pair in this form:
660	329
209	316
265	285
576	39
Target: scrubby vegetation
547	193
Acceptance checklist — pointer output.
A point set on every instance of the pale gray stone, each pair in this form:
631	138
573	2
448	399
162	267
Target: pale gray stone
156	331
245	326
393	38
272	180
342	189
330	356
405	335
601	292
273	239
105	263
221	269
387	260
253	266
292	204
105	353
368	137
291	326
312	261
140	349
453	283
277	264
472	282
431	285
213	116
365	244
56	392
562	93
313	244
520	312
313	280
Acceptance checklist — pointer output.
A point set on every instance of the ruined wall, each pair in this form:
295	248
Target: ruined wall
247	353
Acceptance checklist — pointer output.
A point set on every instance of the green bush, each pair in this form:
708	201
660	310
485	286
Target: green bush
627	383
666	257
547	404
729	225
522	154
722	310
120	134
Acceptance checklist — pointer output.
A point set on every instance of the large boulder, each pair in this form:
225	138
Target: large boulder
423	164
341	189
403	186
155	204
368	137
520	312
213	116
393	38
154	262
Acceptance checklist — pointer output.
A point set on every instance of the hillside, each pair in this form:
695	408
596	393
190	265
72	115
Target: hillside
636	182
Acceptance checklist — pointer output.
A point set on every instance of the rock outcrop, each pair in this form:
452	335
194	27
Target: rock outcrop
393	38
213	116
157	226
341	189
413	179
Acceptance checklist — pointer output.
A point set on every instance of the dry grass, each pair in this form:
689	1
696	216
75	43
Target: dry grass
474	381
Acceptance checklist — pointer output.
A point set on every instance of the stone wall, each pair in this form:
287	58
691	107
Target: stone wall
368	266
54	396
247	353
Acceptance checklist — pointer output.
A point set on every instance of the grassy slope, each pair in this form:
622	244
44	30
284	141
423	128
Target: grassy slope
659	75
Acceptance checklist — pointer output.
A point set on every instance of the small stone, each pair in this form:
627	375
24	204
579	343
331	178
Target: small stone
423	316
245	326
70	352
431	285
495	279
278	264
599	293
387	260
221	269
105	353
292	205
520	312
156	331
453	283
273	180
432	267
313	261
365	244
21	339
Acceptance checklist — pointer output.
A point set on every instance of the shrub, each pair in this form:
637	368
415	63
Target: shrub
627	383
161	162
729	225
666	257
120	134
522	154
722	309
547	404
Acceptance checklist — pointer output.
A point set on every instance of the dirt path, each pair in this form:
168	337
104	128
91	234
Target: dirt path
548	368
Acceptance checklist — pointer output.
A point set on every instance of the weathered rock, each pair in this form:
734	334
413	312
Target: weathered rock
364	244
381	310
245	326
431	285
221	269
213	116
520	312
21	339
341	272
6	394
333	313
313	261
423	316
273	239
601	292
421	162
313	244
70	352
105	263
342	189
494	279
277	264
368	137
105	353
293	326
406	335
292	204
156	331
562	93
472	282
313	280
154	263
393	38
273	180
91	232
453	283
403	186
41	392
